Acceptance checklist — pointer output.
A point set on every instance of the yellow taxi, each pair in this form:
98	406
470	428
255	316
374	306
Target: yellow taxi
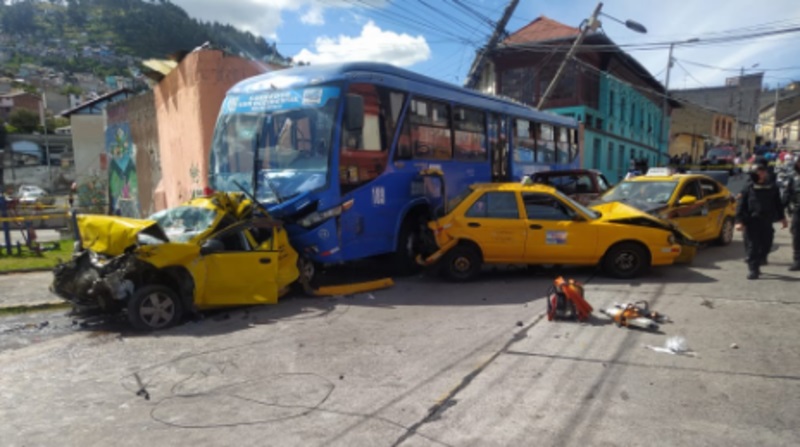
209	252
509	223
700	205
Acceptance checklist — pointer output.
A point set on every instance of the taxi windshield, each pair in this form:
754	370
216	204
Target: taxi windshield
642	191
184	222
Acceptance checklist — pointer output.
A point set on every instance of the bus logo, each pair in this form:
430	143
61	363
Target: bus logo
378	195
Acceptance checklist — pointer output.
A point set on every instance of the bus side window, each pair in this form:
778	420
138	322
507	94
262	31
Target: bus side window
365	154
470	134
546	144
430	130
562	155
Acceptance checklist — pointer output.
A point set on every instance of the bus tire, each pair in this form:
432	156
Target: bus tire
462	263
404	258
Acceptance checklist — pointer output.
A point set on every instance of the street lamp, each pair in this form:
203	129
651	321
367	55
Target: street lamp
591	24
665	98
630	24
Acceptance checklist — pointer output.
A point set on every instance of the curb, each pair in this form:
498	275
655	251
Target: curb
25	308
22	271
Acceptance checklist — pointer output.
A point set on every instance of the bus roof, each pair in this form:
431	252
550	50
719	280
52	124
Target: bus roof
389	75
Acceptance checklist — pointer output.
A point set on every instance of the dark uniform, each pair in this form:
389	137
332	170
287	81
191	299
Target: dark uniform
791	196
759	208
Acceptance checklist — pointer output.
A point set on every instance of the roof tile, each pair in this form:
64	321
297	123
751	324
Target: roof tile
542	29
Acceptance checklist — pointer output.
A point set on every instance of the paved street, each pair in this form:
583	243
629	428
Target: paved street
431	363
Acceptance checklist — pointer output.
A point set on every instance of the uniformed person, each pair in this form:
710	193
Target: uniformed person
759	208
791	197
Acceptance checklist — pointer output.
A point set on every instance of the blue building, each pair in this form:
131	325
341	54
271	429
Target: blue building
616	98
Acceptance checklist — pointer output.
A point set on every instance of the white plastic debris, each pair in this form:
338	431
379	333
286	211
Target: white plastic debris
675	346
734	346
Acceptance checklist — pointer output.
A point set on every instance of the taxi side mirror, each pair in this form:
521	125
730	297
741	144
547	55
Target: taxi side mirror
687	200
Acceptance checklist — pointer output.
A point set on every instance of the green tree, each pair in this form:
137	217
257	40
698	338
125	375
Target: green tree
26	121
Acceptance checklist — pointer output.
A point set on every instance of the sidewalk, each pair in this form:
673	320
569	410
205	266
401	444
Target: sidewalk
19	290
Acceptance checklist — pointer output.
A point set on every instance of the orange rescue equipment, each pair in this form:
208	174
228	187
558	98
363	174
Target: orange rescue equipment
565	300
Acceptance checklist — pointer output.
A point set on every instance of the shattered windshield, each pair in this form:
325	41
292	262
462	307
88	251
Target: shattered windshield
281	137
184	222
641	192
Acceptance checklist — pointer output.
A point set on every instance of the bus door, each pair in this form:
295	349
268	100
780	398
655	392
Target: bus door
498	144
368	227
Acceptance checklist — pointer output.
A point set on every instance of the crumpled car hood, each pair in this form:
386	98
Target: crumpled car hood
112	235
618	212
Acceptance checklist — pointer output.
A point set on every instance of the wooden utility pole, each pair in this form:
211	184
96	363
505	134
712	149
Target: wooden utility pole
483	53
591	25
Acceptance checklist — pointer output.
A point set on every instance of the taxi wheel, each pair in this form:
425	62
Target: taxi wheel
626	260
462	263
154	307
726	232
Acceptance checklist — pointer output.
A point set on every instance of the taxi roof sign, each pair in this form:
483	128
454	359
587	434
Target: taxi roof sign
659	172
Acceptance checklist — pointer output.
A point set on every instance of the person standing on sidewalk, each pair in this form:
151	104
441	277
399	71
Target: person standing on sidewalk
759	208
791	198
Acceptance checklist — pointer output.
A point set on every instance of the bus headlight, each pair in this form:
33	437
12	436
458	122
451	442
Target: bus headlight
320	216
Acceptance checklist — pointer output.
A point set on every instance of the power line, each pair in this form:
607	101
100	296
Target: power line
738	69
687	72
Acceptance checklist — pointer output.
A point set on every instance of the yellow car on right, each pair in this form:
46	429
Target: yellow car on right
701	206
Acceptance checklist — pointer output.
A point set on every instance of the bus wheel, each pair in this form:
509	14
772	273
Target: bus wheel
308	275
404	259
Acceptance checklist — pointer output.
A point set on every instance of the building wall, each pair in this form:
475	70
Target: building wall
187	103
607	152
91	169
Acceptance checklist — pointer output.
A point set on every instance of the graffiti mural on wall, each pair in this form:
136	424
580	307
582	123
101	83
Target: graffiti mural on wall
123	188
92	194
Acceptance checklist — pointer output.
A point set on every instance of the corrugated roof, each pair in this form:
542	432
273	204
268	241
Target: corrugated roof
542	29
96	101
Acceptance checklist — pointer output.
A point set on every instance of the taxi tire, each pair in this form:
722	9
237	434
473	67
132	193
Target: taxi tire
725	232
164	298
461	263
632	252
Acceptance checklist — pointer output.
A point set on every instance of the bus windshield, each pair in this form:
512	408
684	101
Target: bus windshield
284	136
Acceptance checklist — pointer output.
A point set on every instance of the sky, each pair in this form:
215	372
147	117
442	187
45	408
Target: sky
439	38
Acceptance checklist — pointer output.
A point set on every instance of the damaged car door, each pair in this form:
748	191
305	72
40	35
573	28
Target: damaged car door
237	272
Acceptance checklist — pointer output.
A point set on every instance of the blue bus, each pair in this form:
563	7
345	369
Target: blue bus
336	152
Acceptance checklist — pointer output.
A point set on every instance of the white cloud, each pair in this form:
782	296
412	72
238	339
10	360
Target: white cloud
314	16
373	44
265	16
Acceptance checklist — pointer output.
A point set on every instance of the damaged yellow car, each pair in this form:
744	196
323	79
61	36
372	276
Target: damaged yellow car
536	224
207	253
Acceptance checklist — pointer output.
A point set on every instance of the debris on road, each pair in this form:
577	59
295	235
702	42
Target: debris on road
636	314
674	345
734	346
352	289
565	301
707	303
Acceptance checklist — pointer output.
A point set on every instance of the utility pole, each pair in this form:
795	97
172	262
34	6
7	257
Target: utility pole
739	110
775	116
591	25
480	58
664	107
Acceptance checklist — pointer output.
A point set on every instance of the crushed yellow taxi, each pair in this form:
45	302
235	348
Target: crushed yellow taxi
700	205
513	223
209	252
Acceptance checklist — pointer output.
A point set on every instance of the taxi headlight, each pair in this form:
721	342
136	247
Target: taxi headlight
671	239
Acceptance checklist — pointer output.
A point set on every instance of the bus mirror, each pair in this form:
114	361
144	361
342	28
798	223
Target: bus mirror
354	113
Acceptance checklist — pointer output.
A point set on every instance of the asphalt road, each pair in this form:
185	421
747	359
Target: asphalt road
430	363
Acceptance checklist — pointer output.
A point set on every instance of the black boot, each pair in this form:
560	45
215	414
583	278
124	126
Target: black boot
753	274
795	267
